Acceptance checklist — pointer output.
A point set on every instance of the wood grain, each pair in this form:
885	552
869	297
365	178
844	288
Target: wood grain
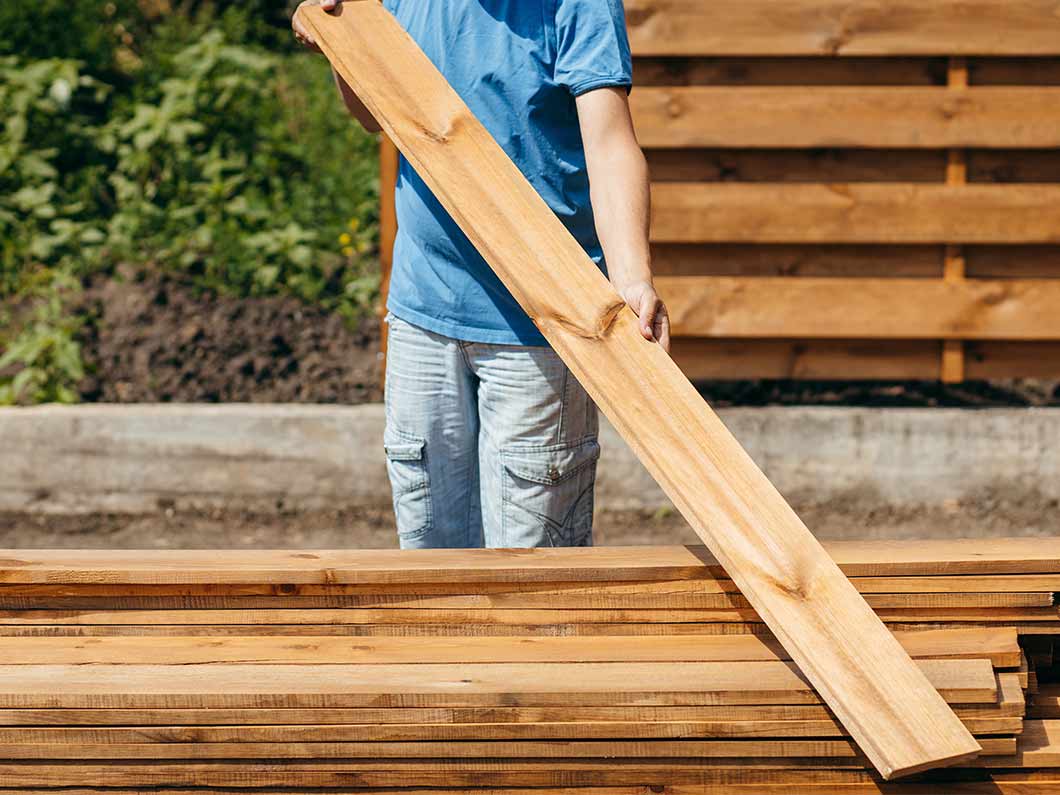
843	27
999	645
769	307
255	567
855	213
456	685
847	117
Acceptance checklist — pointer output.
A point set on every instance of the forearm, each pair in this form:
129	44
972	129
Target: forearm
354	104
618	179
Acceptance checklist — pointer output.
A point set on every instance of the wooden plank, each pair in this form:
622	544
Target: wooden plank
600	598
704	584
460	773
643	630
843	27
460	732
725	751
489	618
958	586
907	117
770	307
856	558
458	685
855	213
1039	746
1009	705
1000	646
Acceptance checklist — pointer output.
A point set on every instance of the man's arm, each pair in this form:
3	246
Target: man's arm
618	186
350	99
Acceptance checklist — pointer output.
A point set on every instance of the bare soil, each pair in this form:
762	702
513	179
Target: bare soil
373	527
151	339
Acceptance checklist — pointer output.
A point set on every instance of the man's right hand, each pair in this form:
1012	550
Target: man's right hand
304	37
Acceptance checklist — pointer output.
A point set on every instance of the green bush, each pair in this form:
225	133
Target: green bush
146	138
45	357
100	34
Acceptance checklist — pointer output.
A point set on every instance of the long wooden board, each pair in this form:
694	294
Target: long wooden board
686	596
855	213
1009	704
440	684
725	751
766	307
847	116
484	618
843	27
286	568
1000	646
459	732
552	593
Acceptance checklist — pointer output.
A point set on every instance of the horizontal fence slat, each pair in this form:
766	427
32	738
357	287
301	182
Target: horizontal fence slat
847	116
843	27
854	213
769	307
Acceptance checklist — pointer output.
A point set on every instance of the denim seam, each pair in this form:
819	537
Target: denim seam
548	448
564	401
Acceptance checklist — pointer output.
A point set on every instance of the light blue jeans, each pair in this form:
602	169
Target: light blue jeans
486	445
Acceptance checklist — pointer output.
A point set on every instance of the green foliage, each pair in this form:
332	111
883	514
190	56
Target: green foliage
44	359
51	172
136	134
98	33
216	174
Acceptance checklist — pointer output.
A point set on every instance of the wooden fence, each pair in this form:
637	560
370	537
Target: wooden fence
851	189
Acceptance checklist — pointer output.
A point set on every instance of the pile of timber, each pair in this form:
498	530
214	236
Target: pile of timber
607	671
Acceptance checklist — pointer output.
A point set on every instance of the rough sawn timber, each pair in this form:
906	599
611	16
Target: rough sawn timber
888	706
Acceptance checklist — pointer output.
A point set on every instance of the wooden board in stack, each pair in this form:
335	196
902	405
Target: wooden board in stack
596	671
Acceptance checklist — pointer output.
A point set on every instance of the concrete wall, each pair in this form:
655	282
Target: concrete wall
142	457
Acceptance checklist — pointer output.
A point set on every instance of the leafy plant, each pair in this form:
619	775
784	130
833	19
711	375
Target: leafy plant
163	144
45	358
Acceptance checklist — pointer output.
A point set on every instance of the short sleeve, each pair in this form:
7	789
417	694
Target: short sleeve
592	47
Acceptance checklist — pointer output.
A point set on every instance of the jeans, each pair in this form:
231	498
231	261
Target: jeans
486	445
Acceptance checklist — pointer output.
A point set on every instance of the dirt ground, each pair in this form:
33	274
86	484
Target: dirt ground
151	339
373	528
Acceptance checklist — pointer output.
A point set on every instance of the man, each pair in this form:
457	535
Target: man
489	438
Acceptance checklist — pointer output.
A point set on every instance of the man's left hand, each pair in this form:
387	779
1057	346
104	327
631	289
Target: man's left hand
654	320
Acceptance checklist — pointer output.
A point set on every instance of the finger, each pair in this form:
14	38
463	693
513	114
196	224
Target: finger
328	5
662	328
647	315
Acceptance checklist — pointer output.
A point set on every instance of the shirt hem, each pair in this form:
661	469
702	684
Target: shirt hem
586	86
459	331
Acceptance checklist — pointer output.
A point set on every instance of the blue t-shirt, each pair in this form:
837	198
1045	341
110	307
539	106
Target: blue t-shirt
518	64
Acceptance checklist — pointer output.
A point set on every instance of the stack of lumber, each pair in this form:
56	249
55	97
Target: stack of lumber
606	671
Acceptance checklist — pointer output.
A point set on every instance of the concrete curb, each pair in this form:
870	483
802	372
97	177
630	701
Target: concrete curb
140	458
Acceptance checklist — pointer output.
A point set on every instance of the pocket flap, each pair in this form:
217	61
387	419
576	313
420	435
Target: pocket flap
404	451
547	466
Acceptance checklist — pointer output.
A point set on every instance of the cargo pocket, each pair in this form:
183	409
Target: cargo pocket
406	464
547	497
